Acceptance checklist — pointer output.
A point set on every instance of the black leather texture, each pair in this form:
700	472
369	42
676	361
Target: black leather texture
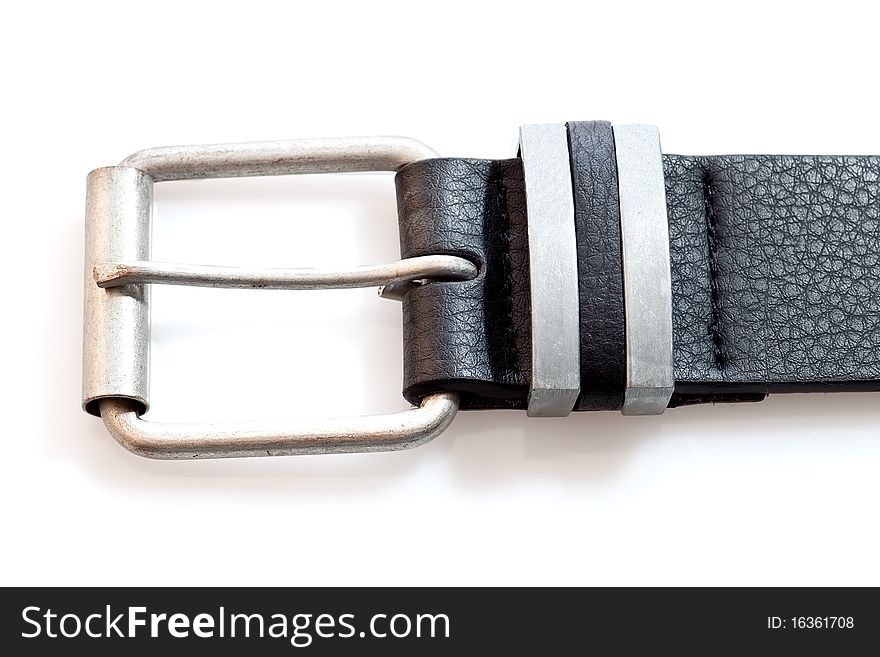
473	337
600	274
775	275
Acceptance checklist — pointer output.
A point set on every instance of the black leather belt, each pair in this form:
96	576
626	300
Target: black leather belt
774	276
555	281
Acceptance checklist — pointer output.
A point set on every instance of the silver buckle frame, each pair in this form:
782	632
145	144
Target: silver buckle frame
118	272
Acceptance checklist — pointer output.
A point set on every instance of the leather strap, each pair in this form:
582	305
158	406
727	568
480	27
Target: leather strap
775	275
600	275
472	337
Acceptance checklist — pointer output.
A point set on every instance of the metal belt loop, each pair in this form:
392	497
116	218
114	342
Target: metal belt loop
555	383
118	273
647	280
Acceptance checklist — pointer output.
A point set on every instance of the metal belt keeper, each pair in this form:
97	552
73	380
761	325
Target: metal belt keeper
647	280
118	272
556	378
647	293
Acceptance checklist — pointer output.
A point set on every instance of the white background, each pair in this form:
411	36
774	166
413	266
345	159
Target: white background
782	492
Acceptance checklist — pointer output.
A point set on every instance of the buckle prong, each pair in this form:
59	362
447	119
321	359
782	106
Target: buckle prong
435	267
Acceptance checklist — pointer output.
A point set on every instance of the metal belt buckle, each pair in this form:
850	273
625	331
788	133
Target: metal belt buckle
118	273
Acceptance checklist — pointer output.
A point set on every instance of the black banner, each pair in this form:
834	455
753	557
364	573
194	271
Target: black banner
113	621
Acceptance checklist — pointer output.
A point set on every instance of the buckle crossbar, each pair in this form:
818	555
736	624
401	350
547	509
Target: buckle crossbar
116	331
